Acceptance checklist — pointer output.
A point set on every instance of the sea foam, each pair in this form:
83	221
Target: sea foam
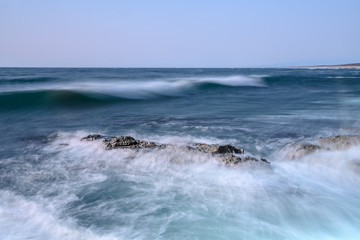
159	194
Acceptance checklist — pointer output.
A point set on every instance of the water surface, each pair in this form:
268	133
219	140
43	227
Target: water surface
52	186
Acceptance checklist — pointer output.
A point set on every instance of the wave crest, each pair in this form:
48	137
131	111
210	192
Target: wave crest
84	92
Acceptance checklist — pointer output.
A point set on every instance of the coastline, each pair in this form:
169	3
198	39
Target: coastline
339	66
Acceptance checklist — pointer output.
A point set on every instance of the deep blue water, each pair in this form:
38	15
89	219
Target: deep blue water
52	186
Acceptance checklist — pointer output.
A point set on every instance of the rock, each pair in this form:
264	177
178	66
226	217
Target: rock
217	149
127	142
340	142
122	141
298	150
335	143
92	137
224	153
145	144
232	159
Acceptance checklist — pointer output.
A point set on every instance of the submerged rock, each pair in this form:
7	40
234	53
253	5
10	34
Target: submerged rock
335	143
225	153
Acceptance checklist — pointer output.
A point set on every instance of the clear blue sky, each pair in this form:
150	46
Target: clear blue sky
184	33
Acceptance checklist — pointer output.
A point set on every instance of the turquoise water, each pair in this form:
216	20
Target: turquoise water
52	186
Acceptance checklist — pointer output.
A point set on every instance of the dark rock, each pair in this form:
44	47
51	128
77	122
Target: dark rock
92	137
145	144
122	141
164	145
225	153
127	142
217	149
232	159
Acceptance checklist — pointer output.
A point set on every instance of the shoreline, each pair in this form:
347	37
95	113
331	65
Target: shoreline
339	66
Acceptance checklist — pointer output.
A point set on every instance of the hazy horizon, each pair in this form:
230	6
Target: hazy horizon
160	34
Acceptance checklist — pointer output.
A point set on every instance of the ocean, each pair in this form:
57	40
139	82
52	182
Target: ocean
54	186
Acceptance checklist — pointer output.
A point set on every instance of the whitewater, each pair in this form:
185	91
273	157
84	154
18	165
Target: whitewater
54	186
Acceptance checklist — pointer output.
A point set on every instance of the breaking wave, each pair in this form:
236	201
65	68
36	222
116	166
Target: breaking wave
96	92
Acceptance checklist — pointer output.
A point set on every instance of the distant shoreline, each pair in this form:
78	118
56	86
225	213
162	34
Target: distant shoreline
339	66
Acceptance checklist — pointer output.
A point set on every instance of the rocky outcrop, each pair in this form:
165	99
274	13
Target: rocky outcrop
217	149
341	142
335	143
299	149
92	137
127	142
120	142
225	153
232	159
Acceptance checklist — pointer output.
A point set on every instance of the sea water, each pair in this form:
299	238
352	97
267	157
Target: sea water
54	186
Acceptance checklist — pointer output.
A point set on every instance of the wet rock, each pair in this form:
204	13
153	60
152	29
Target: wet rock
127	142
145	144
335	143
232	159
92	137
298	150
217	149
225	153
340	142
122	141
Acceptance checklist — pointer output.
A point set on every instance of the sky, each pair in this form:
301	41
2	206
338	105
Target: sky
186	33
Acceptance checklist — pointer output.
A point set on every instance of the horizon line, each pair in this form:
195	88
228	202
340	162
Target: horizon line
103	67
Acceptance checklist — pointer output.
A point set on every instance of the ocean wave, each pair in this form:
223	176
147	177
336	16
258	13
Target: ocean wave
84	92
52	98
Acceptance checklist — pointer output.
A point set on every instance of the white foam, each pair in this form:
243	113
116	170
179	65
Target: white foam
22	218
162	194
340	77
338	164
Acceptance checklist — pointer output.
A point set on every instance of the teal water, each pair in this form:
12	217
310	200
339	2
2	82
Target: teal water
52	186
